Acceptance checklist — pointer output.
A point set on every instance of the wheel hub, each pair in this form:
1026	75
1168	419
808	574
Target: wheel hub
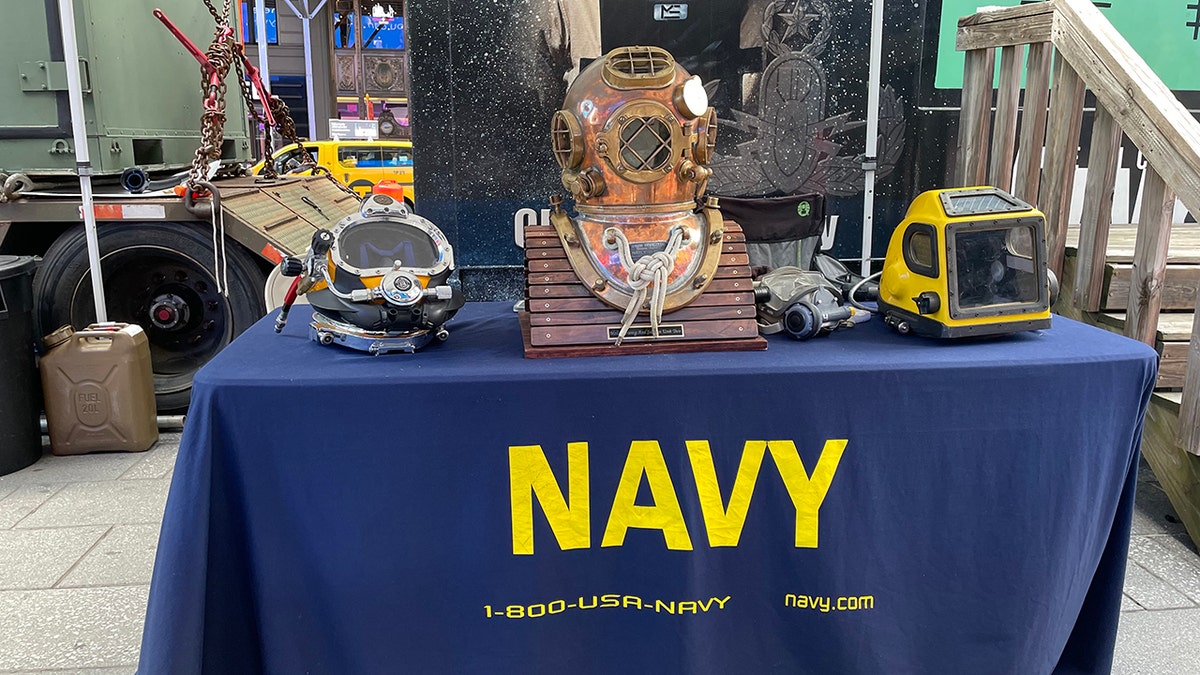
169	312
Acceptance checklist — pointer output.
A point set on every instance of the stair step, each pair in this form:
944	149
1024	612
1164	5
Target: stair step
1174	330
1180	286
1172	367
1185	242
1172	326
1175	397
1182	279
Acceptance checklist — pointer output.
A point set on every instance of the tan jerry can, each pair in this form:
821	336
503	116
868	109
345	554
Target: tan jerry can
99	390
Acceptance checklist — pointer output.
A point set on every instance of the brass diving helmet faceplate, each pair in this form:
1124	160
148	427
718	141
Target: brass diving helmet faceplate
690	240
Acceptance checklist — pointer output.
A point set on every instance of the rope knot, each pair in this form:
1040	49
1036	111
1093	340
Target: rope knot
648	272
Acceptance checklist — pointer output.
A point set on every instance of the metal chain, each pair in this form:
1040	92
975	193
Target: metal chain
287	129
221	56
225	53
269	169
213	10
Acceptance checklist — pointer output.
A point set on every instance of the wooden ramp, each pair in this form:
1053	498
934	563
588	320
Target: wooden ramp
1178	471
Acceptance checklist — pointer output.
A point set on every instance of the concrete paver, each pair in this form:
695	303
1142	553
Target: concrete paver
1129	605
77	538
76	468
24	500
1154	514
124	556
119	670
157	464
1158	643
1170	561
71	627
39	558
102	502
1151	592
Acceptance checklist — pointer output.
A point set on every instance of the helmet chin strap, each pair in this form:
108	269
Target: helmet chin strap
647	276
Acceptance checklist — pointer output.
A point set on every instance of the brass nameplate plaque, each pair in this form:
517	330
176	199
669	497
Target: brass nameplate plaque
670	330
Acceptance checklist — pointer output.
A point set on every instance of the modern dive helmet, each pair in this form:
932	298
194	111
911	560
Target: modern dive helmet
377	281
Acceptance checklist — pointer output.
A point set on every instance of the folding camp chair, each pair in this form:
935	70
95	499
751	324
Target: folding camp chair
780	231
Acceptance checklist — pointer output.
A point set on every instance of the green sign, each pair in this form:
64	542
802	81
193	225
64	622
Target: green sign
1166	33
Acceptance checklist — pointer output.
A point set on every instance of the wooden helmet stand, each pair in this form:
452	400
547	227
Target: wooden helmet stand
565	317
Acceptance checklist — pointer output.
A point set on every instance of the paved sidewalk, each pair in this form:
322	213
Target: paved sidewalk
78	536
1160	613
77	543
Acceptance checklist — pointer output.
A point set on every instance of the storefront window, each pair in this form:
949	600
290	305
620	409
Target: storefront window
250	28
379	32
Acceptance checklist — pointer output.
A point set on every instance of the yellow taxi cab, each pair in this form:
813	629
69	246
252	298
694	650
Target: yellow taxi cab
358	164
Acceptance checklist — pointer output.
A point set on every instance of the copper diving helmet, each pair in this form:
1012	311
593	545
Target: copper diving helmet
633	138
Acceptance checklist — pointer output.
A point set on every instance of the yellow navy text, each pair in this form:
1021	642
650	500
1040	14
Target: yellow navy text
569	512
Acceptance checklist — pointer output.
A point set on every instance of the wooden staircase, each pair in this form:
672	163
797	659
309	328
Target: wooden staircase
1140	280
1181	279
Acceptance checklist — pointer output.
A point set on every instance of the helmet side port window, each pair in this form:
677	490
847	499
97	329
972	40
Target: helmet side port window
920	249
566	139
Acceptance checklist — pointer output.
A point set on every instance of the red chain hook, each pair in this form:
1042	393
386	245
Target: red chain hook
212	74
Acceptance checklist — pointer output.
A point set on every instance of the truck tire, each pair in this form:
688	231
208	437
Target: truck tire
159	276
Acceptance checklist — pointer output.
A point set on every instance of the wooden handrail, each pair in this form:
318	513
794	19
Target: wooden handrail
1145	108
1131	99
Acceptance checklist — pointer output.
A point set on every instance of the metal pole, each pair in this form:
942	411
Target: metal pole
83	163
871	161
260	35
359	87
165	423
308	80
305	18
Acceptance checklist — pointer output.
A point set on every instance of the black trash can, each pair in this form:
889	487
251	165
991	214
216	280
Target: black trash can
20	437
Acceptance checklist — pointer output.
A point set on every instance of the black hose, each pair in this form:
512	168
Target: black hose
134	180
762	293
170	181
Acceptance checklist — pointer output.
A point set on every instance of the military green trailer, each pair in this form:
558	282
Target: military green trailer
164	267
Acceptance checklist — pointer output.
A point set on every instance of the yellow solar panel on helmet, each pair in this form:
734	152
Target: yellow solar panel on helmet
967	262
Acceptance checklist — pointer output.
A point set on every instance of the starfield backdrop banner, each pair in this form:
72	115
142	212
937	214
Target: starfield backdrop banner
788	79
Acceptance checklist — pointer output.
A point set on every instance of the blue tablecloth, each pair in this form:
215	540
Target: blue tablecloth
864	502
